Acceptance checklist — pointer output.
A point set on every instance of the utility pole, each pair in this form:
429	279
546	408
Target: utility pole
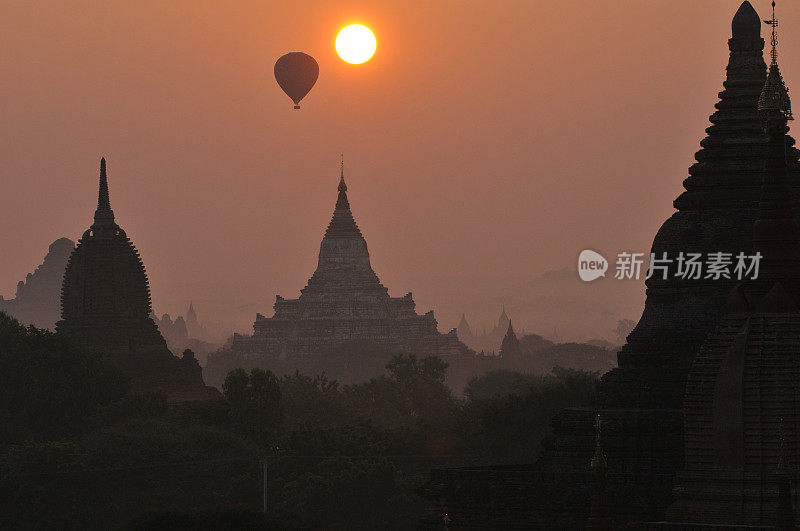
264	464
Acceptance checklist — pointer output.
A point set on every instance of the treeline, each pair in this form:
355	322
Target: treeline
79	451
359	360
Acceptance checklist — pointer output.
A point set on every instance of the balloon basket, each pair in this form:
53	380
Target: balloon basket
296	106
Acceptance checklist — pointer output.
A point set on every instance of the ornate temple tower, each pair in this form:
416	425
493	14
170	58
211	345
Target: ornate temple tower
343	301
641	401
742	405
105	308
716	212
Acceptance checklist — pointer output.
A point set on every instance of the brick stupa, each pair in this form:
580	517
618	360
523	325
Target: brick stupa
105	309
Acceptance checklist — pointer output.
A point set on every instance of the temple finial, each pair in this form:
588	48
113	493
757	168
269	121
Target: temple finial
775	95
103	202
342	185
746	23
103	212
341	201
774	23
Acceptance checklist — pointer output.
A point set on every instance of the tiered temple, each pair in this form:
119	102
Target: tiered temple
641	401
105	308
742	404
344	301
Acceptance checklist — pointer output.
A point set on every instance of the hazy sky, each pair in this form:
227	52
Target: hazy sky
485	143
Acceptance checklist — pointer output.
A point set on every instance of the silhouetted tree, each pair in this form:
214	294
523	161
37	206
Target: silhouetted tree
47	386
255	400
507	415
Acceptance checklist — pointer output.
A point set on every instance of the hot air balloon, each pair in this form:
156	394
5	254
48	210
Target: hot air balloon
296	73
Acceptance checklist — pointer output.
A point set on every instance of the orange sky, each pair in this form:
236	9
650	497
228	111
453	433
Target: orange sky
485	143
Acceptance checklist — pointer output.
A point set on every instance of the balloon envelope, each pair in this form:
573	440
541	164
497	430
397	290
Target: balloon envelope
296	73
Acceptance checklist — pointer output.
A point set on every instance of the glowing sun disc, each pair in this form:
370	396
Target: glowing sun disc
356	44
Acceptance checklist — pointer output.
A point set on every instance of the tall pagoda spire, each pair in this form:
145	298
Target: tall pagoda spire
341	202
343	245
774	41
728	428
775	95
724	175
103	214
342	224
775	234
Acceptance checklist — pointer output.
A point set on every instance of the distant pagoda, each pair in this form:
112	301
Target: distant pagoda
510	347
105	308
37	299
344	301
489	341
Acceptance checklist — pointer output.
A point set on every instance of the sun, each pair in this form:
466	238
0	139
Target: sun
356	44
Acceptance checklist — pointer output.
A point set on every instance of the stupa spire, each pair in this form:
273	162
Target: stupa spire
341	202
503	316
746	23
776	235
774	40
333	252
775	95
103	214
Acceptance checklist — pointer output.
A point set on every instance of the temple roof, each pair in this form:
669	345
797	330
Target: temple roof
746	22
342	224
729	163
775	96
510	345
343	246
105	278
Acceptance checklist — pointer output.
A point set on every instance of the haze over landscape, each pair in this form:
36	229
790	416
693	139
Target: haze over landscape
470	202
251	211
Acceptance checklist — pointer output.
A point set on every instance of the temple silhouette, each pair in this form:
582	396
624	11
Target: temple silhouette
742	402
488	341
38	298
344	301
642	401
105	309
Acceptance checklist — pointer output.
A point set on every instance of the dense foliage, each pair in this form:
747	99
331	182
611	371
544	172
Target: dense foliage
336	456
47	387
